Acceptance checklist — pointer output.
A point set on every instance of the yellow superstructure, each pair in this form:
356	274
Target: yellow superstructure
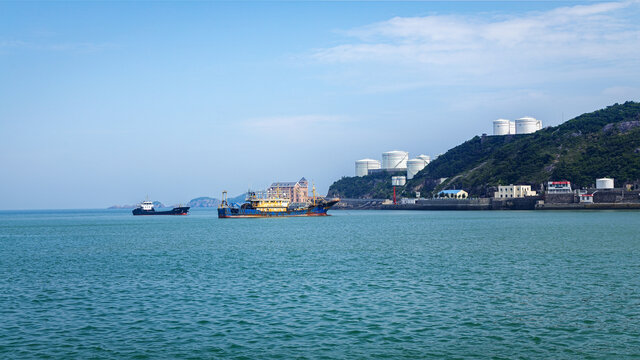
268	203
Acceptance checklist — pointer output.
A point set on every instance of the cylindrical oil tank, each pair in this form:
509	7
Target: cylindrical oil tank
527	125
604	183
512	127
426	158
363	166
398	180
395	159
501	127
414	166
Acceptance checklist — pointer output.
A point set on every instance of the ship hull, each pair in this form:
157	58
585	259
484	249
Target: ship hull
319	210
182	210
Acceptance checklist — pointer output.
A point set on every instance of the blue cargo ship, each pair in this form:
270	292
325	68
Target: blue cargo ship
257	205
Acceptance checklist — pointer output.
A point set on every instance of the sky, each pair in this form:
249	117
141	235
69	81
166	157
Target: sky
107	102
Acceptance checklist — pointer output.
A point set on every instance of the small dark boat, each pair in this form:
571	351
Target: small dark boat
146	208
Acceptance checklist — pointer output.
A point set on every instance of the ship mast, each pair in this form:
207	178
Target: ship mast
313	188
223	203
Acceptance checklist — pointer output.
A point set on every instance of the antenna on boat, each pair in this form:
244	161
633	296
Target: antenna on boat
223	203
313	188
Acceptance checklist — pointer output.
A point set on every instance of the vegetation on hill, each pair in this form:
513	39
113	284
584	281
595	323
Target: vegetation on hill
604	143
374	186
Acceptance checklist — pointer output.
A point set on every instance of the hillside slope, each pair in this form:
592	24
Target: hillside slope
598	144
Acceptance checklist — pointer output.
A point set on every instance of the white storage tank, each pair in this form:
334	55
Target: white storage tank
395	159
414	166
512	127
604	183
426	158
528	125
501	127
398	180
363	166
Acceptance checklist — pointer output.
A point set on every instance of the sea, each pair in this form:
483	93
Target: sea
103	284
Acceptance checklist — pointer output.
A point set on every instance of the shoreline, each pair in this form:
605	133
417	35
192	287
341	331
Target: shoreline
482	204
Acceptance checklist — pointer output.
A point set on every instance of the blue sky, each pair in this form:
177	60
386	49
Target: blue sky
103	103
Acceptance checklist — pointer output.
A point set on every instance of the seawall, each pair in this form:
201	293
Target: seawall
555	202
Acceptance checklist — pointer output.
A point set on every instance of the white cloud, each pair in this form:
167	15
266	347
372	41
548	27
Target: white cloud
591	36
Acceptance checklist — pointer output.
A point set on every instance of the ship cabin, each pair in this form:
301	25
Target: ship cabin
147	205
268	203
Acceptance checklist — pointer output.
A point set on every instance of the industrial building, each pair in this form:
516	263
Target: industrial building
415	165
503	127
363	166
514	191
558	187
398	181
527	125
524	125
394	161
604	183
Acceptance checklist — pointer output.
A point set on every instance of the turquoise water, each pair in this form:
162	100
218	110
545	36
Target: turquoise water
360	284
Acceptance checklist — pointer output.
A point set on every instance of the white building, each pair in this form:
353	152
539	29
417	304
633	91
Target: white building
559	187
514	191
453	194
586	198
408	201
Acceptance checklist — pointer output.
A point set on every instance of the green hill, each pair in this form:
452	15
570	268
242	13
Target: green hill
598	144
374	186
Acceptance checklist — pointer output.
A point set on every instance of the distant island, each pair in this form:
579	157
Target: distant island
156	204
204	202
199	202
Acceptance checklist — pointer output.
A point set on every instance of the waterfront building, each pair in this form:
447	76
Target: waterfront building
559	187
514	191
453	194
296	192
408	201
586	198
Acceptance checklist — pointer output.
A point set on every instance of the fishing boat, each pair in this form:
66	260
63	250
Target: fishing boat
260	204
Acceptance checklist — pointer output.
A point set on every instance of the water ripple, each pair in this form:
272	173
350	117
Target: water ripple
396	285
